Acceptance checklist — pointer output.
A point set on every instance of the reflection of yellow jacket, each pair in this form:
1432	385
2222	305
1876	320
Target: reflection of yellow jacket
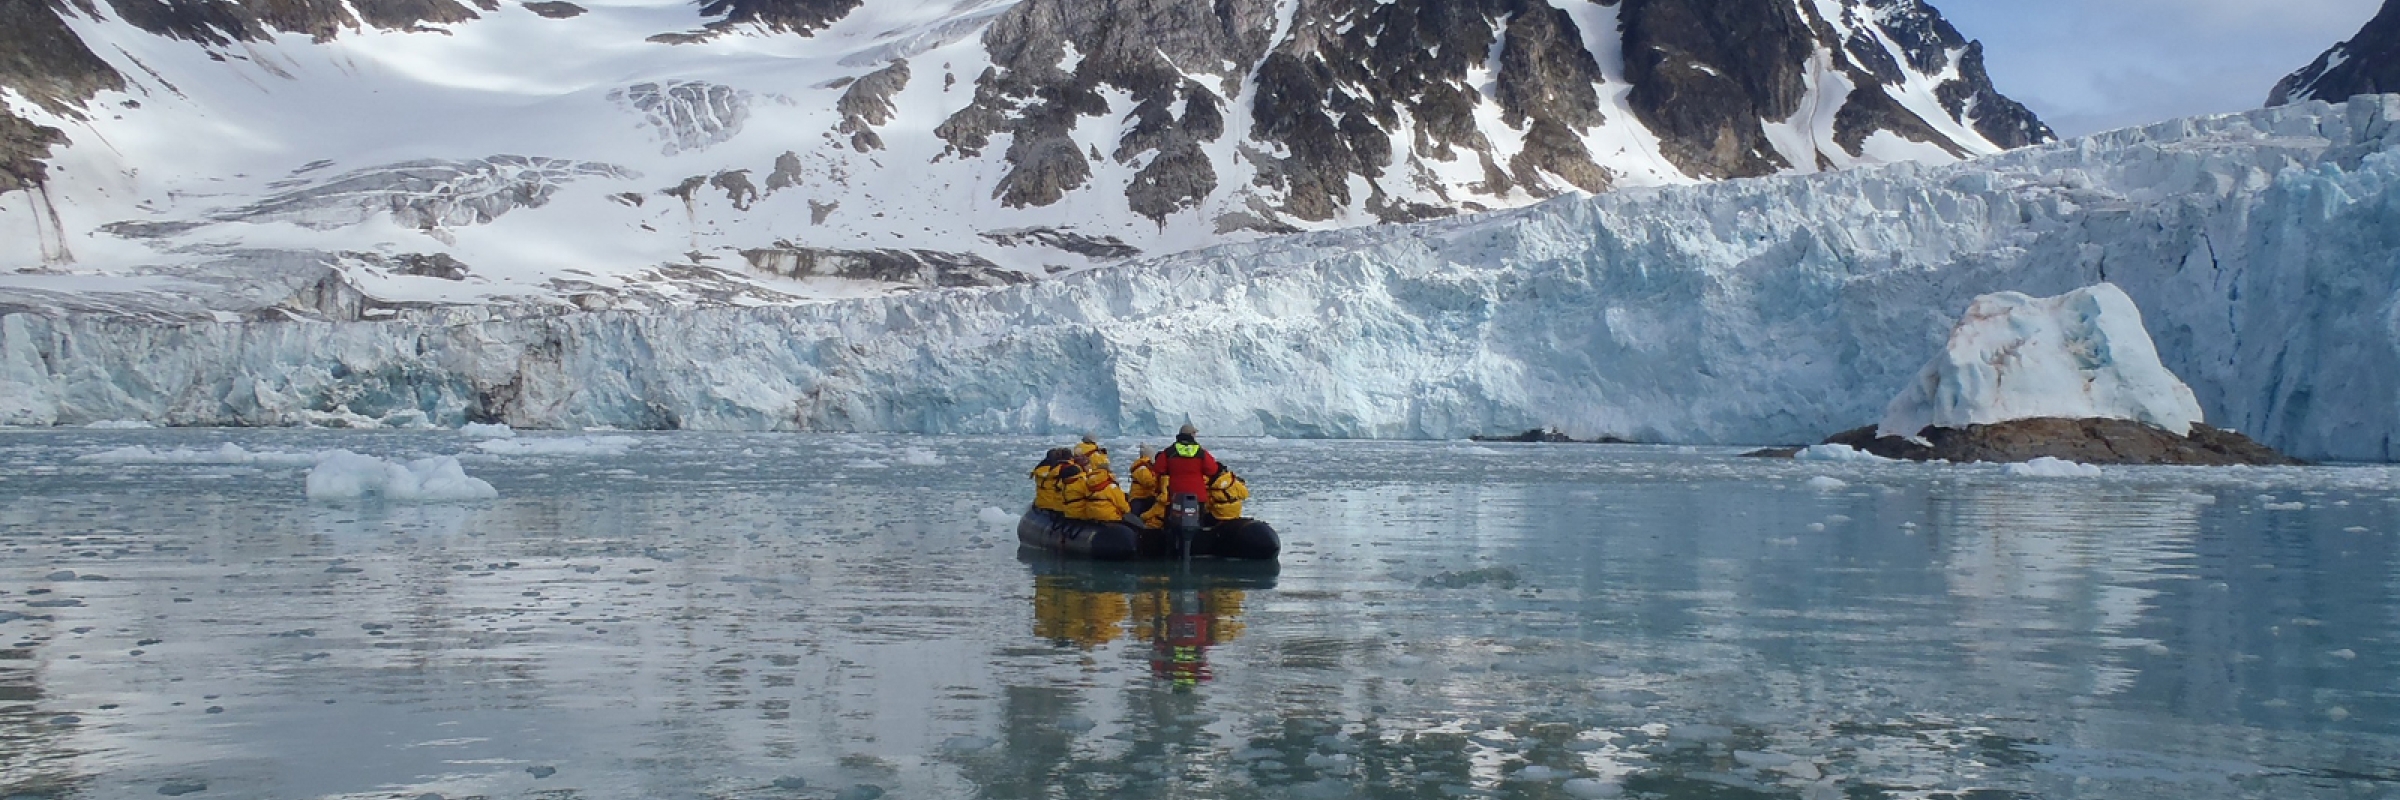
1092	454
1045	489
1225	496
1093	495
1144	483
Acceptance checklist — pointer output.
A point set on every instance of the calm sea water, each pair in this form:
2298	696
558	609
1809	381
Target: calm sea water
787	616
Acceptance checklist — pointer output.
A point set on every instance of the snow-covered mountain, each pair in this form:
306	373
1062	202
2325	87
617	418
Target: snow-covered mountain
2368	63
2260	248
215	156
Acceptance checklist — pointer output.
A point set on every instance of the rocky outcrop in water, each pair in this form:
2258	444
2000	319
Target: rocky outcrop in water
2368	63
2085	441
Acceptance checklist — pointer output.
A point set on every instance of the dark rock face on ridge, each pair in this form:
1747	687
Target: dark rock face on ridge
2367	64
2087	441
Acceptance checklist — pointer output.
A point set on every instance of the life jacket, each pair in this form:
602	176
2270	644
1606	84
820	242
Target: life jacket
1225	495
1092	494
1142	482
1186	469
1045	486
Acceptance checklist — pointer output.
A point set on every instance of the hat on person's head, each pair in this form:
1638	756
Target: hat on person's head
1090	439
1188	430
1145	451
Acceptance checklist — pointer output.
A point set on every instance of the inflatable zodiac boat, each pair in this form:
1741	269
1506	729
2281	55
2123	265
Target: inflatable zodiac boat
1241	539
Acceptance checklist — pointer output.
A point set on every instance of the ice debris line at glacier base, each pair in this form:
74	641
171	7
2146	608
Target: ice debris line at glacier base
2265	247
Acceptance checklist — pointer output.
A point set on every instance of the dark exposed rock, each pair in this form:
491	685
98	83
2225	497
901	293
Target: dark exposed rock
1549	436
2088	441
867	105
917	268
787	174
555	9
804	17
1705	74
2368	63
737	188
1107	248
43	61
423	265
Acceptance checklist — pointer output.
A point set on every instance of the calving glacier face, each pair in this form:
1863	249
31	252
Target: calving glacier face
645	153
1777	310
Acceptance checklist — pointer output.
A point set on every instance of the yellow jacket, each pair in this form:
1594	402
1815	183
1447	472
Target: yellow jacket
1092	454
1093	495
1046	495
1143	483
1225	496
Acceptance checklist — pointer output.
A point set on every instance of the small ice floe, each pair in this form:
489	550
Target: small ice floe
2344	654
2291	506
224	454
2047	467
1592	789
1827	483
120	425
344	475
558	446
920	457
967	744
992	515
1841	453
483	431
1538	774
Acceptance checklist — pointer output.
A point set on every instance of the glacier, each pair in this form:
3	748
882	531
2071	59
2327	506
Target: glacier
2080	355
2264	246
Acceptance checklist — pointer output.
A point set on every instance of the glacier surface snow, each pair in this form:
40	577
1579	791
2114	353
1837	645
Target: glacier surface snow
2080	355
2264	246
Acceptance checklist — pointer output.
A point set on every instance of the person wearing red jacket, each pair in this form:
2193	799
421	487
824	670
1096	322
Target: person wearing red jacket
1185	467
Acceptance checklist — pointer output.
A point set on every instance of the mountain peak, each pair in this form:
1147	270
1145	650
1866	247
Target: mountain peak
2368	63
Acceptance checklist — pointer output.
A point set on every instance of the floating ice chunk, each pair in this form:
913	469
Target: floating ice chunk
1841	453
1827	483
1475	450
920	457
558	446
1539	774
1762	760
227	453
2345	654
120	425
2079	355
2047	467
1700	733
967	744
344	475
1590	789
2291	506
992	515
483	431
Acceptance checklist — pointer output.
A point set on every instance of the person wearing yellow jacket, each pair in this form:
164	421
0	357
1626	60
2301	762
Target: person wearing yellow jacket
1225	495
1141	483
1091	493
1090	452
1046	490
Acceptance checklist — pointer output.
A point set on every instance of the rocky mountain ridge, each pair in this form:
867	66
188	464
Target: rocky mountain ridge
2368	63
652	152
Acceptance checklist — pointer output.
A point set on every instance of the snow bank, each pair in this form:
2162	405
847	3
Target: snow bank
228	453
2080	355
344	475
557	446
1772	310
2046	467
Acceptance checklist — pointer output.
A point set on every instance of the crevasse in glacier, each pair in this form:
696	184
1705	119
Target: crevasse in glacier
2080	355
2264	247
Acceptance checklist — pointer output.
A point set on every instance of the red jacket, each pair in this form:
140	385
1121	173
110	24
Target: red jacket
1185	475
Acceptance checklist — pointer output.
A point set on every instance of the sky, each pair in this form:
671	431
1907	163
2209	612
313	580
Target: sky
2092	65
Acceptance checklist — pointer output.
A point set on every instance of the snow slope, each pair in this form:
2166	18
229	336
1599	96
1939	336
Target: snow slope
2265	246
2080	355
619	157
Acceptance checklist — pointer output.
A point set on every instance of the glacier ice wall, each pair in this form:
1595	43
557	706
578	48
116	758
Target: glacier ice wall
2264	249
2080	355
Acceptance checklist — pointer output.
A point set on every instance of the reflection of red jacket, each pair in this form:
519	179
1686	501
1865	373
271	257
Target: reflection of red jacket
1185	475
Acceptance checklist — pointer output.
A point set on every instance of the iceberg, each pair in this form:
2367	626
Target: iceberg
344	475
2080	355
1770	310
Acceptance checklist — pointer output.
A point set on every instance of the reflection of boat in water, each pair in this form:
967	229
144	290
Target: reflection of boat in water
1053	532
1181	612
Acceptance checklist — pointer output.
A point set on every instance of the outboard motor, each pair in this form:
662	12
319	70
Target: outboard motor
1184	518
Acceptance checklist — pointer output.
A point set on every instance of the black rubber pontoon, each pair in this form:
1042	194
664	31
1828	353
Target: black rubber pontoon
1050	531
